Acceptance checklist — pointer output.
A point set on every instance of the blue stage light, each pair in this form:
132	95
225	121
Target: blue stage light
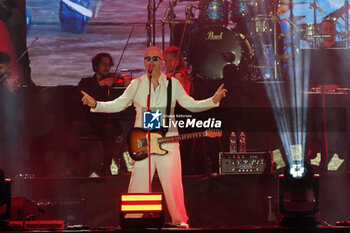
297	170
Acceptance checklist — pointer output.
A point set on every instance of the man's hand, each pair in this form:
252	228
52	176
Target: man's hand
219	94
88	100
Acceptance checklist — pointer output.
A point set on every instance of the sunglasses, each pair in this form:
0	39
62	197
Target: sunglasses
156	58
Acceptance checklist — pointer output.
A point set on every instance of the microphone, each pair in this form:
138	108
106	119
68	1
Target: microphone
150	68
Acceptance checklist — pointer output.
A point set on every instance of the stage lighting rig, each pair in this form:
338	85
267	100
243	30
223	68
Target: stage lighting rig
298	195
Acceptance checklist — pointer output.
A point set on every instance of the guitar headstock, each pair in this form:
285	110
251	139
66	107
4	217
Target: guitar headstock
213	133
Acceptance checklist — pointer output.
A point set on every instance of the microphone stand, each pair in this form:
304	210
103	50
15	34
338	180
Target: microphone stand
149	132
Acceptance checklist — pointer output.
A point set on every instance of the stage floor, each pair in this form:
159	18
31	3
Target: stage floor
256	229
211	201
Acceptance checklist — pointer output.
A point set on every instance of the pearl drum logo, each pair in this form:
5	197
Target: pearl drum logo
212	36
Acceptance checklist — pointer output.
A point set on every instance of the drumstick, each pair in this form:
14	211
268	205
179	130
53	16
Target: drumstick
37	38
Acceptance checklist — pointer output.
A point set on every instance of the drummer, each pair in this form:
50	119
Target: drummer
327	28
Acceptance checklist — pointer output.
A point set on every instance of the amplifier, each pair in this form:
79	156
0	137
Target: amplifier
244	163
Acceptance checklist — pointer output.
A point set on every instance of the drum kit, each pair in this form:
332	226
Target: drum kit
233	35
225	37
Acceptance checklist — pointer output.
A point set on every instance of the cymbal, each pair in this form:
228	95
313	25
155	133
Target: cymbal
299	17
294	2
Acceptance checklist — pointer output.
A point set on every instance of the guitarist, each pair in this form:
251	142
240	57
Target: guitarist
168	166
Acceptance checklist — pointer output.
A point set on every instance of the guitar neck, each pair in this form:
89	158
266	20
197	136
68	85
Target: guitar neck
181	137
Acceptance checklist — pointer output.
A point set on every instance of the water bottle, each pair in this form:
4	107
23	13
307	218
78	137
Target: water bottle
242	142
233	143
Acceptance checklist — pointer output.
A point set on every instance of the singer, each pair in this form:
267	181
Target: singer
169	165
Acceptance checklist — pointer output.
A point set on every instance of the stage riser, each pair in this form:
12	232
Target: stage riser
210	200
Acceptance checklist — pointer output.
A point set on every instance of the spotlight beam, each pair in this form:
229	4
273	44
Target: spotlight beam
291	125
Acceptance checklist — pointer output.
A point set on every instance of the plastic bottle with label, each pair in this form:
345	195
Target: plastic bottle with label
233	142
242	142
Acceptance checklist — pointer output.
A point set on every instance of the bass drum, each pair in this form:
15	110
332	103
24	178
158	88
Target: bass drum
216	49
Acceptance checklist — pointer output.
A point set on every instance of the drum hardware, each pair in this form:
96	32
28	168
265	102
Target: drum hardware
294	2
180	21
322	36
284	56
209	58
130	71
214	12
262	66
296	18
283	35
170	15
189	11
152	8
307	30
336	14
262	23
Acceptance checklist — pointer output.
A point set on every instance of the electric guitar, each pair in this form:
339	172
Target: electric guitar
137	141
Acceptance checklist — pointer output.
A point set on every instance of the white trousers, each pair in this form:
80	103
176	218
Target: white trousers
170	176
